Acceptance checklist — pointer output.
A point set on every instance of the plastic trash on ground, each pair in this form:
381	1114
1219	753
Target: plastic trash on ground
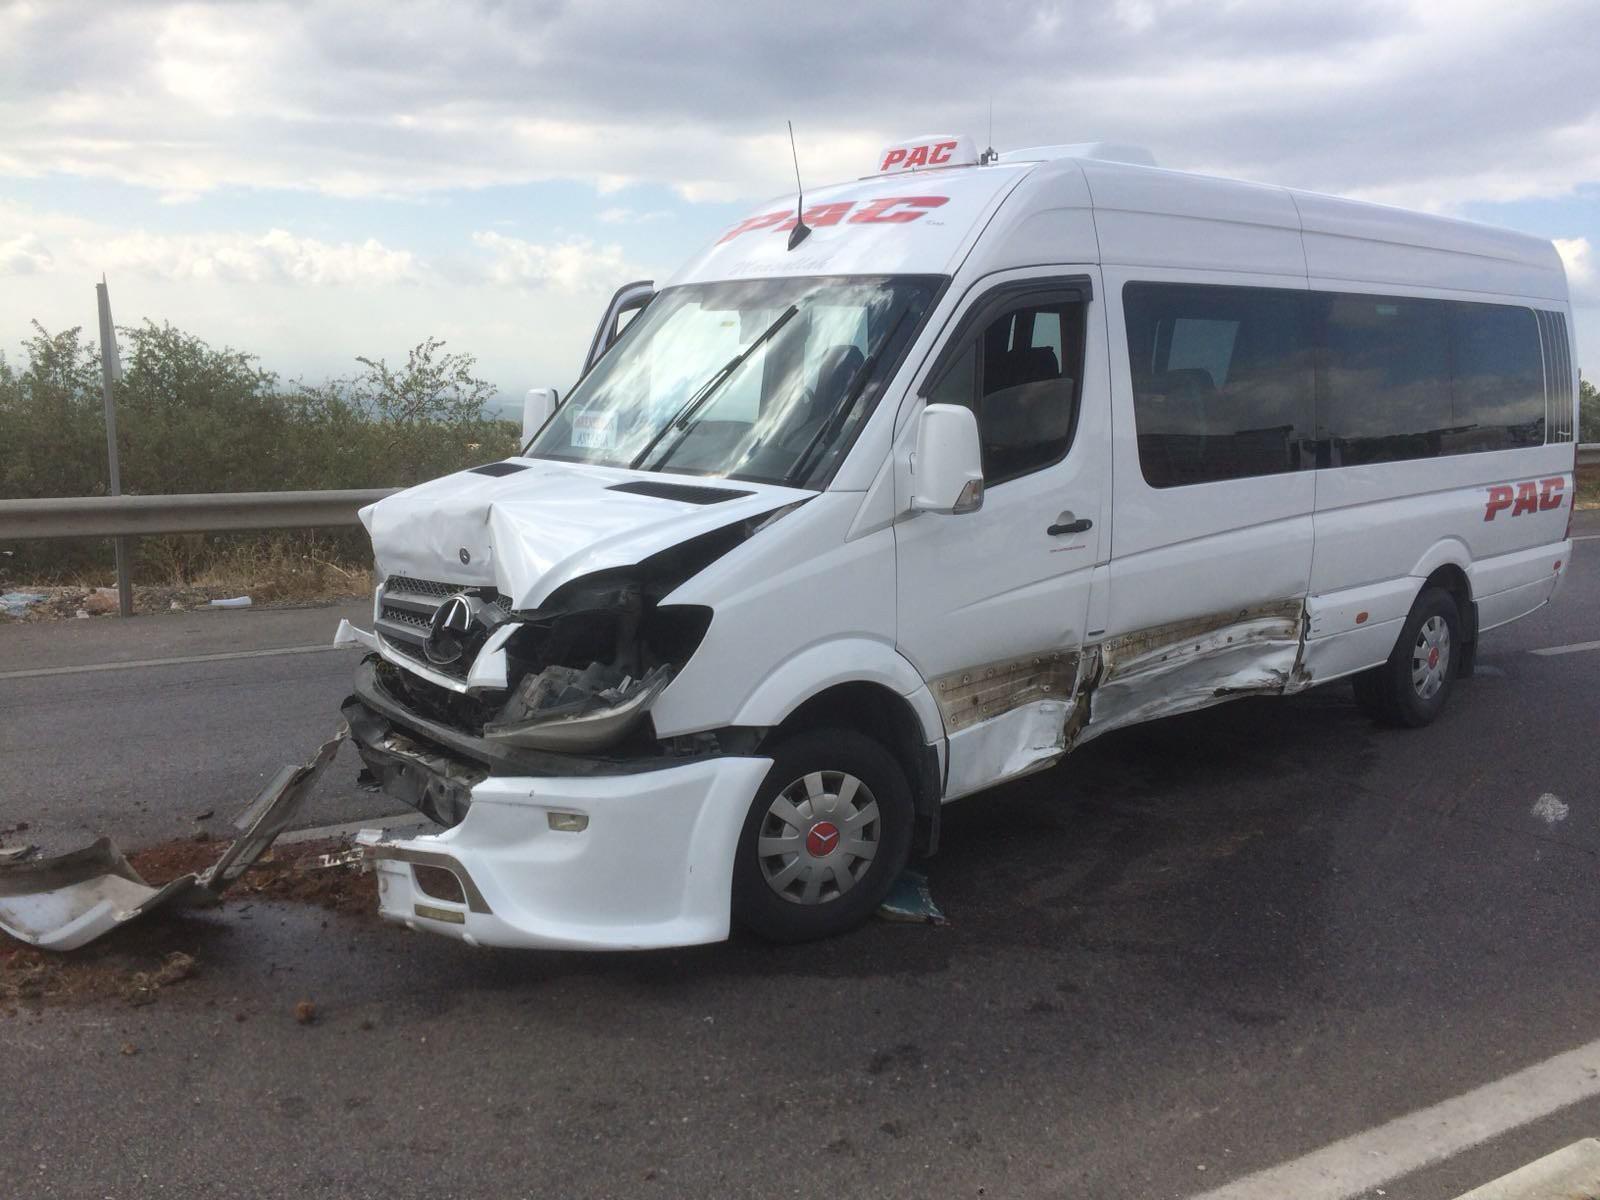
14	604
909	900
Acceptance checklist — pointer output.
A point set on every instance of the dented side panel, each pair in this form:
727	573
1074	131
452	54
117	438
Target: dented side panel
1002	726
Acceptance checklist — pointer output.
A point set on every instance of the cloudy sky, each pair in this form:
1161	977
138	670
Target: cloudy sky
310	182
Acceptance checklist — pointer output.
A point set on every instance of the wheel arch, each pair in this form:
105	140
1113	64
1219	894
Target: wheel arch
889	719
1452	578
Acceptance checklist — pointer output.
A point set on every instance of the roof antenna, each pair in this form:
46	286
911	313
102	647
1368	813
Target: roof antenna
801	230
989	155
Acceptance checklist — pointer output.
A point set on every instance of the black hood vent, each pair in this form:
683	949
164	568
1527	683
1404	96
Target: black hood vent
499	468
686	492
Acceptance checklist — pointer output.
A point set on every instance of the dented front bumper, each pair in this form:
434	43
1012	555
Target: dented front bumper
619	862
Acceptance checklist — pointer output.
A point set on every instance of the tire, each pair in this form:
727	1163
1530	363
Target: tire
1410	690
809	818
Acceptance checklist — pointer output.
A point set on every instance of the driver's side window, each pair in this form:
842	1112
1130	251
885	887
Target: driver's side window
1021	375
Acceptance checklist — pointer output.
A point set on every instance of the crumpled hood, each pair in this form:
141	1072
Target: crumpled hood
541	523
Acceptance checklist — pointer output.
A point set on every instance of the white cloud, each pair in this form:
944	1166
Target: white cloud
24	255
577	265
1578	256
1419	102
630	216
276	256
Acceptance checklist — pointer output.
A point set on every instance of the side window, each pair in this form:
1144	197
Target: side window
1222	381
1021	376
1385	390
1498	378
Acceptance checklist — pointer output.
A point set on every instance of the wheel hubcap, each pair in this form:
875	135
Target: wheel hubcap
1430	658
818	837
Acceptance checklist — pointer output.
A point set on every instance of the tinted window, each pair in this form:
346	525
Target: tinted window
1222	381
1385	391
1498	378
1020	376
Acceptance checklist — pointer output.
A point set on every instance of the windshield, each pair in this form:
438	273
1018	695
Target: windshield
765	379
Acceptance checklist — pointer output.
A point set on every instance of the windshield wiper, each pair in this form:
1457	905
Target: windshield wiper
706	390
830	428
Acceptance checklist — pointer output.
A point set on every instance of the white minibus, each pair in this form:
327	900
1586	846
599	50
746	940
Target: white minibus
912	486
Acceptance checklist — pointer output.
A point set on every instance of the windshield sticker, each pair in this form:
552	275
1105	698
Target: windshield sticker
594	430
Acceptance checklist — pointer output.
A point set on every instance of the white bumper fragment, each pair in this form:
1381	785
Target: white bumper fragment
651	866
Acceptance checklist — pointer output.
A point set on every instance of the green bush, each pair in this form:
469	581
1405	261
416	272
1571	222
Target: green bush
191	418
1588	412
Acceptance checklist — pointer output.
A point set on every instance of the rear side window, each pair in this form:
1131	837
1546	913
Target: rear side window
1020	376
1498	378
1385	391
1222	381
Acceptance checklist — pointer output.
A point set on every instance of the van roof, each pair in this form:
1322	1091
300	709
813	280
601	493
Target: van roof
1102	202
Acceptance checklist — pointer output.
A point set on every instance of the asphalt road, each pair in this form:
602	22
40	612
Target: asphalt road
1195	950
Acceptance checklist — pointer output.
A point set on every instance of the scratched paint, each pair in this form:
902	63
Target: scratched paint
1015	717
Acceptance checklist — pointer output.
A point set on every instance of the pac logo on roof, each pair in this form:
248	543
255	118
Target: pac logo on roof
935	150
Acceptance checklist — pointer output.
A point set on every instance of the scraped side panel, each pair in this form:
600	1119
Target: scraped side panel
1010	719
1182	667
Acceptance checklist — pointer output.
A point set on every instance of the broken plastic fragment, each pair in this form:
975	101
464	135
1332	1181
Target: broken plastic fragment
68	901
909	900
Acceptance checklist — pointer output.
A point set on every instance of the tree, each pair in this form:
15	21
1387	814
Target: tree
1588	412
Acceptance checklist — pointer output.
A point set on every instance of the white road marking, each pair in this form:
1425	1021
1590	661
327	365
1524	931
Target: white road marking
1549	808
40	672
1363	1162
1587	537
1573	648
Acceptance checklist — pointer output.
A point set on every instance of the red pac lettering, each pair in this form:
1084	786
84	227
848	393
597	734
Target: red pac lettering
1550	493
891	158
882	211
941	153
765	221
819	216
918	157
1527	499
1499	500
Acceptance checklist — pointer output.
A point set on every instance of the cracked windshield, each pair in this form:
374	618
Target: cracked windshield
764	380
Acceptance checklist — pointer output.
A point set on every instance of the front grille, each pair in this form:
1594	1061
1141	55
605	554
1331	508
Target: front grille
405	615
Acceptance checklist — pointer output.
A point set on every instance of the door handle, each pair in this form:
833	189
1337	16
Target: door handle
1081	525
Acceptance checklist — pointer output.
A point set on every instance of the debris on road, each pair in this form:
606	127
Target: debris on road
232	602
305	1012
67	901
909	900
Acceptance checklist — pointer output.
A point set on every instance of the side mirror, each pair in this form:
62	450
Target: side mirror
947	472
538	406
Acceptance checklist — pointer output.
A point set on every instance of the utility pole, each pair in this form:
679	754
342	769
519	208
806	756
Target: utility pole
110	372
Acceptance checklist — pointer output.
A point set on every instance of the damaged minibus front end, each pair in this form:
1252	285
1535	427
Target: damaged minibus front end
511	704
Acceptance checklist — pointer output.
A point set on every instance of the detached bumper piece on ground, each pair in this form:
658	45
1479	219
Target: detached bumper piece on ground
69	901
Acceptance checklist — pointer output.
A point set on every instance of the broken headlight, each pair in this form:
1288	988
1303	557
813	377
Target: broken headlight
565	710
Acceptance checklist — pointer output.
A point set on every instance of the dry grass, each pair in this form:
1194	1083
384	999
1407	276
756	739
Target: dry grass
1588	487
186	573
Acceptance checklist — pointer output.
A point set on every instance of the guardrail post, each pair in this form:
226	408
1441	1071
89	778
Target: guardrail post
110	372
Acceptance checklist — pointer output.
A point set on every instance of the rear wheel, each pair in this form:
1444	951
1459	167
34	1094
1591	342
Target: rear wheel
826	836
1410	689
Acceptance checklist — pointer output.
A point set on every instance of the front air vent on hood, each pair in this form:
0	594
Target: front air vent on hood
686	492
499	468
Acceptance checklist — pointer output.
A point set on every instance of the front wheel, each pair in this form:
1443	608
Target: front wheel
828	833
1410	689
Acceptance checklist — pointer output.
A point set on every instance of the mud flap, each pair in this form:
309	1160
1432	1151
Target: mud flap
68	901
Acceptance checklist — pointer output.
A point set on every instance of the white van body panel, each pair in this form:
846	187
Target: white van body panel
785	627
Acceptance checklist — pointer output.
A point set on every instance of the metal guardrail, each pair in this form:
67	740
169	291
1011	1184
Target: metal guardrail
216	512
1589	456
